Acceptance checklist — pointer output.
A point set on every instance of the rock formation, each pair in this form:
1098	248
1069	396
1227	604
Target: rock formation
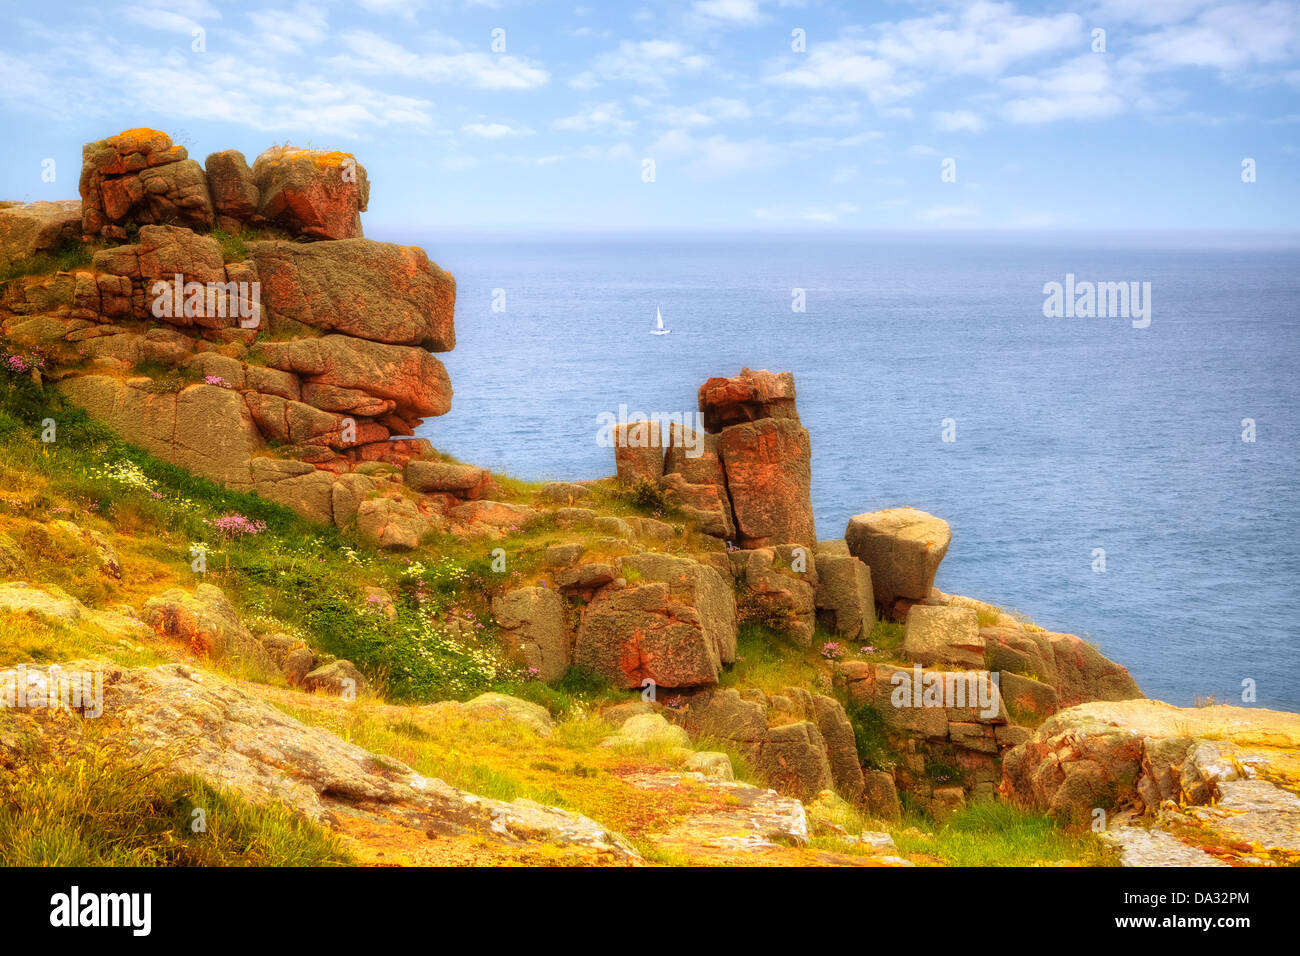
233	320
284	355
750	480
1229	772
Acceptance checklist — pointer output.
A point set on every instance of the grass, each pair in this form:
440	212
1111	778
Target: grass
505	761
766	660
991	833
234	245
70	254
27	640
92	805
875	752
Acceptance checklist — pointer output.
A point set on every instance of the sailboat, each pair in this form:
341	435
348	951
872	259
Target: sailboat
659	324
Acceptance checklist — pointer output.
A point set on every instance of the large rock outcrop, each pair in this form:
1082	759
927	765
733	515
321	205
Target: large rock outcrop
801	742
316	193
282	364
1230	771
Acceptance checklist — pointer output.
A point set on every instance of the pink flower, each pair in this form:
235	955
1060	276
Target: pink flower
233	525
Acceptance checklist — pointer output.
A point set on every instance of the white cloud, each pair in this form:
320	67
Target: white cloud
744	12
958	120
370	53
406	9
984	39
892	61
938	215
1230	38
288	31
828	215
824	111
715	155
1083	88
495	130
843	65
647	63
705	113
119	80
601	117
859	139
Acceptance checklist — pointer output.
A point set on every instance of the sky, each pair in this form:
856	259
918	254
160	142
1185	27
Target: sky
694	115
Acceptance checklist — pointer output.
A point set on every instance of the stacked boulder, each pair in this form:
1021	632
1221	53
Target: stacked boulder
766	456
140	176
287	355
748	478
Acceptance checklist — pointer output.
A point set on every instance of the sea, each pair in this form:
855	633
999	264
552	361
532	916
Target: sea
1132	480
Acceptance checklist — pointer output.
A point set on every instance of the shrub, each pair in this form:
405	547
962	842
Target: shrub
872	738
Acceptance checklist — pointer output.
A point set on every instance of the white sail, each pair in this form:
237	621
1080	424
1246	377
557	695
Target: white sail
659	323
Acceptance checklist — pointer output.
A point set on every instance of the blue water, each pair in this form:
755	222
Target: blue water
1072	434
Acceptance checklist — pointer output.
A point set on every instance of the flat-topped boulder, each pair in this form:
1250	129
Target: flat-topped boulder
903	547
413	379
30	228
1074	668
1222	769
845	599
378	291
532	622
639	452
747	397
234	194
468	482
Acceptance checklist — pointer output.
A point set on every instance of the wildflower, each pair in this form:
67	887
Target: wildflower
832	651
232	525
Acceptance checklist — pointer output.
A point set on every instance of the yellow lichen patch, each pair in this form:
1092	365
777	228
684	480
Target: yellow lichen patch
141	139
320	158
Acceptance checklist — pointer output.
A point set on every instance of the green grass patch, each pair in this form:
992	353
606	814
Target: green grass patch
99	806
70	254
992	833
